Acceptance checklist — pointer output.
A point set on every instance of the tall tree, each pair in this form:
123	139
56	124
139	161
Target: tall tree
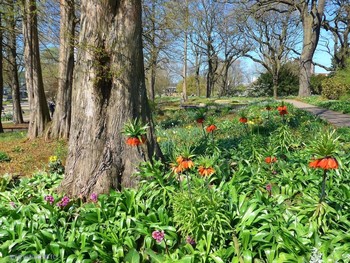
184	68
1	69
39	111
311	15
108	91
12	61
232	46
156	38
62	117
338	23
271	36
205	22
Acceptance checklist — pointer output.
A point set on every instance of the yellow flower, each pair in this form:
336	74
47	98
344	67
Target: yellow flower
251	122
53	159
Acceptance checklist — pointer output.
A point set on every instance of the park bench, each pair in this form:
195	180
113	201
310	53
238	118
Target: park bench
14	127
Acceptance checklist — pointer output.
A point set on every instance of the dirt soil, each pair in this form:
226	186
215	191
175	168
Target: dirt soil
28	156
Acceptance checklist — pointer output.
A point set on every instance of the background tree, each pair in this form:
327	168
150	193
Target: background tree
206	16
109	90
311	16
39	112
61	120
271	36
338	23
288	81
12	65
156	39
232	47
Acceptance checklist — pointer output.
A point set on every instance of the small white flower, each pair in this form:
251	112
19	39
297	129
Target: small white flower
316	256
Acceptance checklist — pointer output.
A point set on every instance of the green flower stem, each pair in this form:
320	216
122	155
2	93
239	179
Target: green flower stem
323	191
205	135
188	185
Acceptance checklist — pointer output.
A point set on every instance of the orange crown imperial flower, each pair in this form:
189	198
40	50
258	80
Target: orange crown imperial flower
183	164
243	120
270	159
200	120
176	168
283	112
134	141
206	171
211	128
187	164
282	108
326	163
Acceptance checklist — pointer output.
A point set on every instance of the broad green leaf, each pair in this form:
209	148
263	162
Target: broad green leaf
132	256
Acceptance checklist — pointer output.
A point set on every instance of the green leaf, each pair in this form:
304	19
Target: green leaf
132	256
156	258
216	259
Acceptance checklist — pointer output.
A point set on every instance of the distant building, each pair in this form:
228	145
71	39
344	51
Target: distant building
170	91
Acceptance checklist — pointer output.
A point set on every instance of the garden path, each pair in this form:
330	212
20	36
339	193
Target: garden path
335	118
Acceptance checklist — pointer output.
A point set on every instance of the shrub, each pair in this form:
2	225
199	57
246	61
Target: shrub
316	83
334	88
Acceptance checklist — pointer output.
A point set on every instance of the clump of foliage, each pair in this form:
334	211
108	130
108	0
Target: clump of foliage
333	88
244	192
288	82
55	165
316	83
337	85
4	157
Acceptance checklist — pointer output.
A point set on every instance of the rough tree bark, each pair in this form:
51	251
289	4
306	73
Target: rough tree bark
12	64
311	17
39	111
311	21
108	90
62	116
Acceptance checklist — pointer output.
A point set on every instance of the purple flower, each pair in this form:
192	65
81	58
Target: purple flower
190	240
93	197
158	235
50	199
64	201
13	204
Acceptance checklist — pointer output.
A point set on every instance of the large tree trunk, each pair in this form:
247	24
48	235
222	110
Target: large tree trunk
108	91
275	84
39	111
154	54
197	67
13	67
311	20
153	75
1	73
61	120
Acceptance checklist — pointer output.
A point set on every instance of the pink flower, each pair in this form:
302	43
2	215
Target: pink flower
158	235
269	187
93	197
190	240
64	201
49	199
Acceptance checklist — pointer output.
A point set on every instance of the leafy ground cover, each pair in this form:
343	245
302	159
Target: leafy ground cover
336	105
237	186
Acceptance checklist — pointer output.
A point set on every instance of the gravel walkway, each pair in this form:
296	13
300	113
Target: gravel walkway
335	118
